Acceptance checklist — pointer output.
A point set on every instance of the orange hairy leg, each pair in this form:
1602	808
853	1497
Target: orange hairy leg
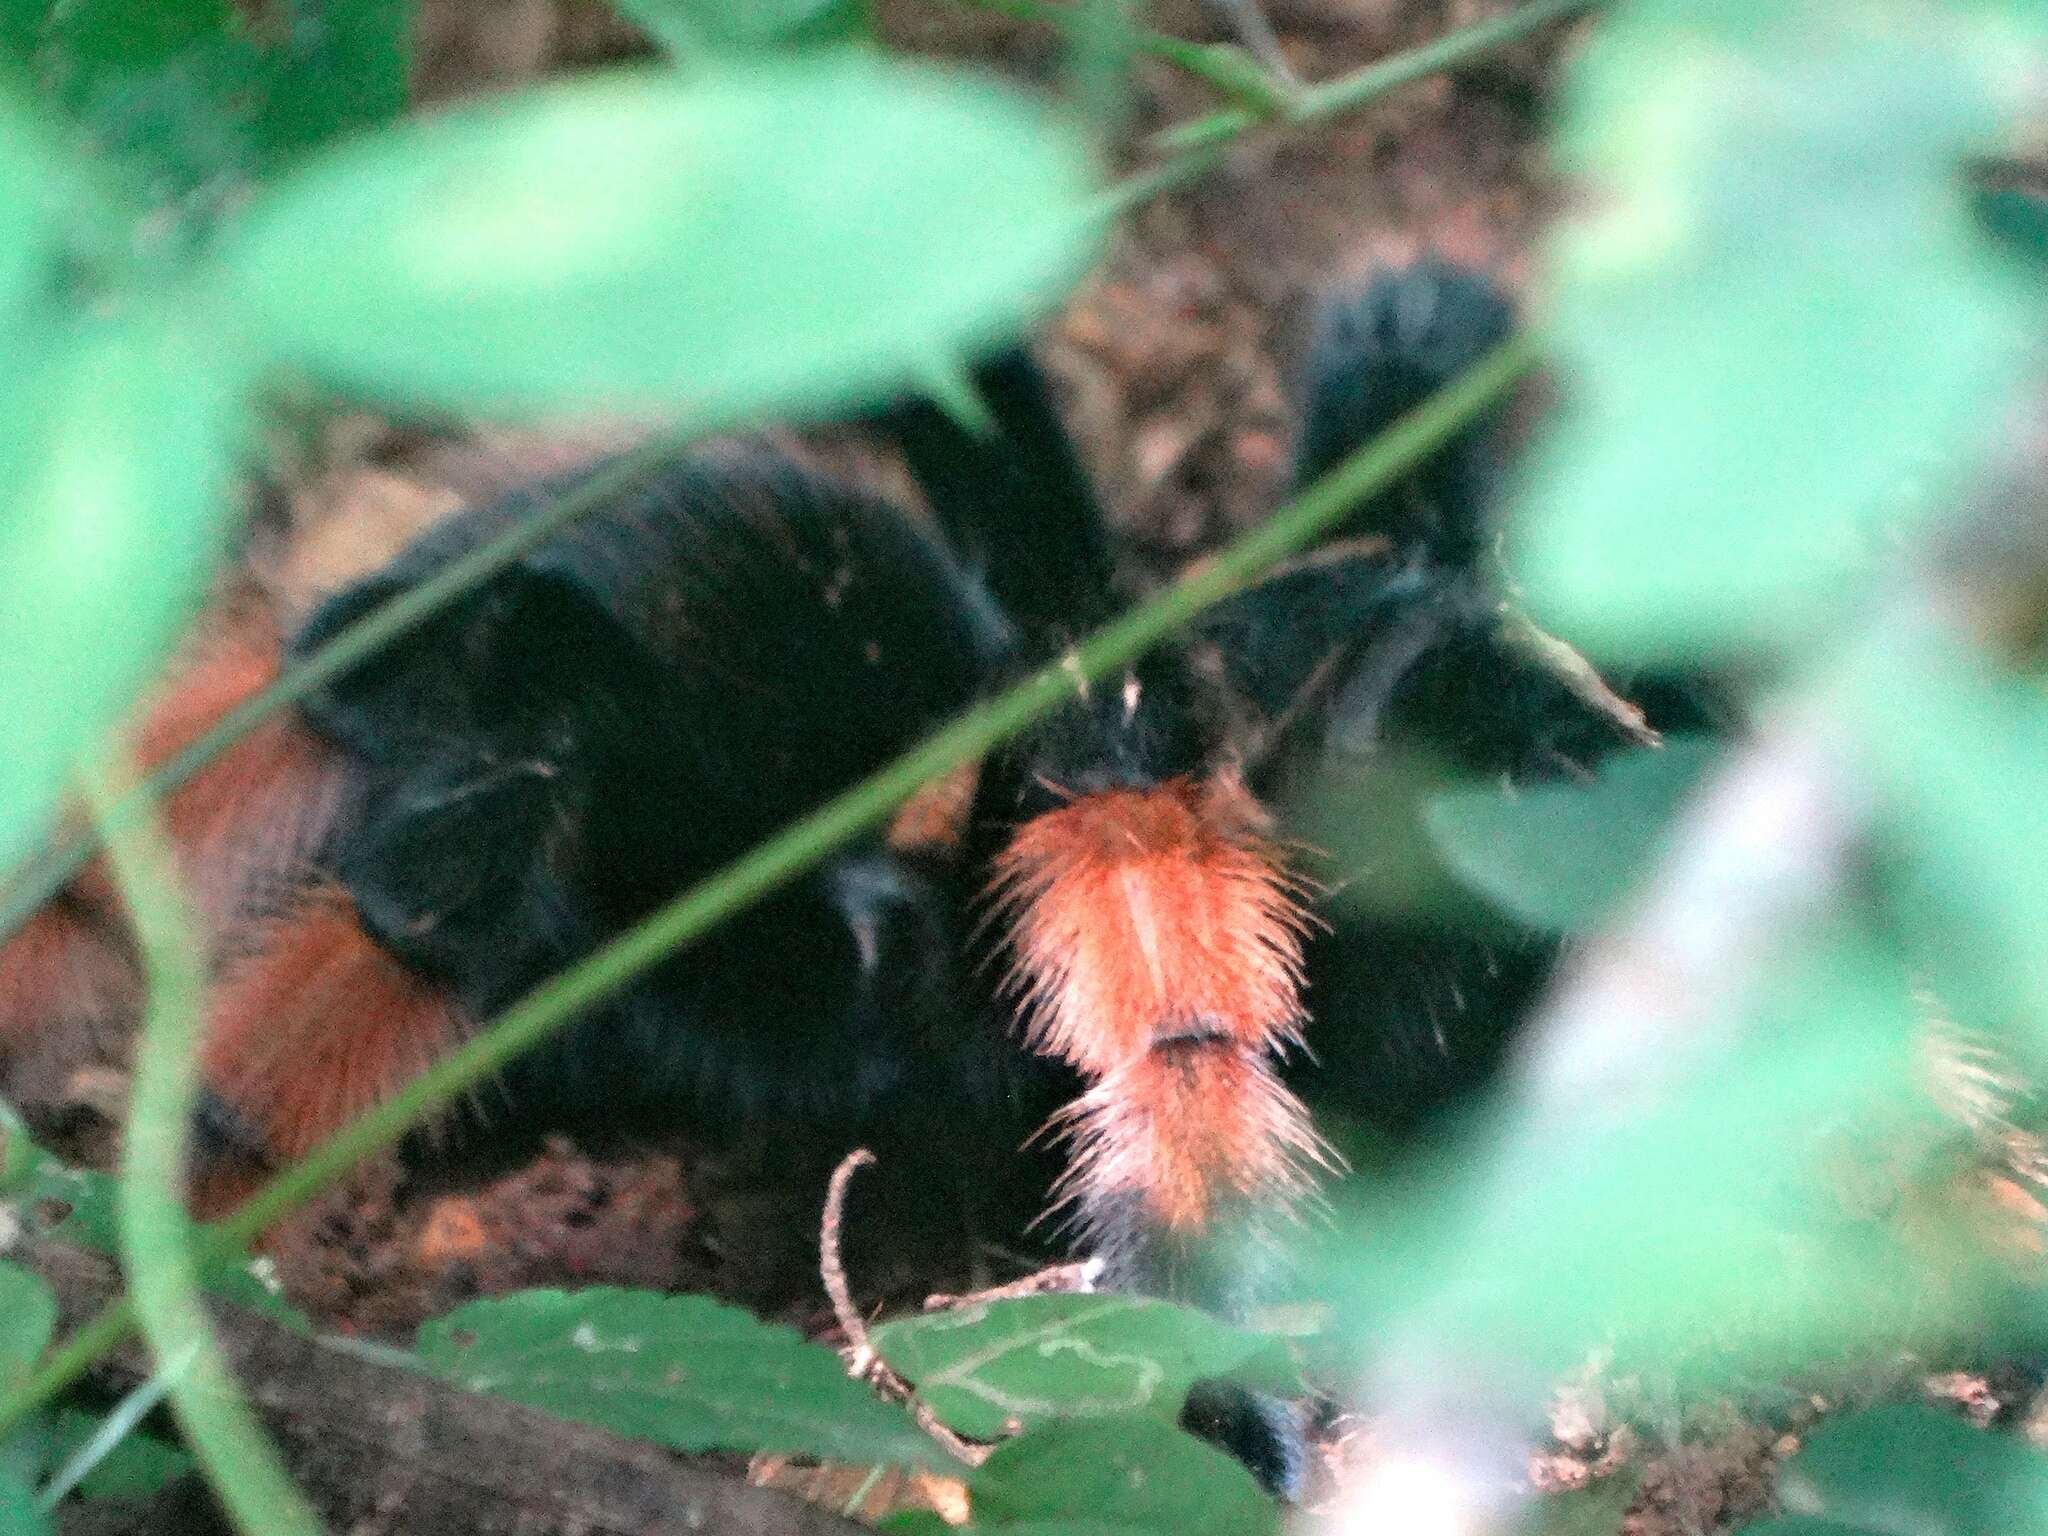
1157	946
65	965
244	823
318	1024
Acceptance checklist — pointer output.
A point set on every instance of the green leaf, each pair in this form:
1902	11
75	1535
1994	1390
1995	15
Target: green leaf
1594	1510
1561	856
1748	1202
687	29
1780	333
76	1205
158	84
138	1465
1959	748
28	1317
34	187
18	1513
117	456
781	237
684	1371
342	67
190	91
1130	1472
1916	1471
1033	1357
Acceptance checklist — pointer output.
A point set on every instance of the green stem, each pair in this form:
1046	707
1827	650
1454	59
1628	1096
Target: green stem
552	1004
1349	92
1228	70
155	1233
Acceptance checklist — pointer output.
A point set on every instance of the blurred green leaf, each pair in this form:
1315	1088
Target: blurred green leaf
1031	1358
688	29
137	1467
190	91
1771	1202
684	1371
341	66
781	237
76	1205
2011	198
33	189
117	455
1117	1474
1959	748
916	1522
18	1514
28	1317
1594	1510
1561	856
1909	1470
1779	331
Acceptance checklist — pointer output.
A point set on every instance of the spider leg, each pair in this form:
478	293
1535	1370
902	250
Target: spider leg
316	1023
243	830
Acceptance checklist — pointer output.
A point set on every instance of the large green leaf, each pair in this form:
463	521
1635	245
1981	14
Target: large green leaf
1034	1357
1561	855
685	1371
116	455
779	236
1122	1474
1780	332
1916	1471
28	1316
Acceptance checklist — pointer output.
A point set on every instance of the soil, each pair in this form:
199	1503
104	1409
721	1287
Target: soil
1175	363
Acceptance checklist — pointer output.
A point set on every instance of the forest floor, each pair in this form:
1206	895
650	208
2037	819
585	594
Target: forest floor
1175	365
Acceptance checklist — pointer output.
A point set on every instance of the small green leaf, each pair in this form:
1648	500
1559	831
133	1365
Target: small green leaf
1561	856
28	1317
192	91
138	1465
117	456
1034	1357
780	237
1127	1473
684	1371
1780	332
33	188
1916	1471
688	29
1594	1510
341	67
76	1205
1959	748
18	1513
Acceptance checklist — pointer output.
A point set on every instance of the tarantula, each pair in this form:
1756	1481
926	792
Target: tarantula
1109	923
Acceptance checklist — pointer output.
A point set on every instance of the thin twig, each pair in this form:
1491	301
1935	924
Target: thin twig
861	1356
863	1361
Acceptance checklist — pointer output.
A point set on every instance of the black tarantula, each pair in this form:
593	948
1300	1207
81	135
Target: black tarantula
1111	923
